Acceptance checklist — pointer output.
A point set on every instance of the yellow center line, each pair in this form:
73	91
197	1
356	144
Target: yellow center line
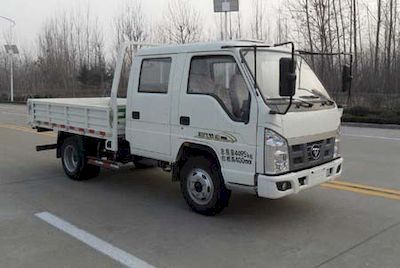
366	187
27	130
361	191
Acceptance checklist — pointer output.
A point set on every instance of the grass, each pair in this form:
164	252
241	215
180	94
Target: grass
356	114
360	114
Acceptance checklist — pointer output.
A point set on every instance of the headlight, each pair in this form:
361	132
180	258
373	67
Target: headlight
336	152
276	153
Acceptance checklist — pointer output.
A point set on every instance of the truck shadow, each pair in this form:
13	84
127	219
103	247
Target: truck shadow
145	210
153	188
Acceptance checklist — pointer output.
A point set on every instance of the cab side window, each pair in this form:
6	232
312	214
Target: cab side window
154	75
220	77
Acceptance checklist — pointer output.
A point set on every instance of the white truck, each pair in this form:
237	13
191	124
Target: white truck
237	115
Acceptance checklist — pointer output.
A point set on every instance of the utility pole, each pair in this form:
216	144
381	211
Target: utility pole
226	25
11	50
230	26
222	32
12	79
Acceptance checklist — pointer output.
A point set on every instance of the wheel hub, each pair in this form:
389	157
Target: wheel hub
71	158
200	186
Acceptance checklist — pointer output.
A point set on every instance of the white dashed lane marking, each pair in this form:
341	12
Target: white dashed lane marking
102	246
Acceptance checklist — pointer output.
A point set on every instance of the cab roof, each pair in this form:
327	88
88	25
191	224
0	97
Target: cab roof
205	47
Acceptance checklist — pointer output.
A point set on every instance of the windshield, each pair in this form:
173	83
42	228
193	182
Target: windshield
308	84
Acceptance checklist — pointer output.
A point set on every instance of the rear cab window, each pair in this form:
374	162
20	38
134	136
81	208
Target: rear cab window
155	75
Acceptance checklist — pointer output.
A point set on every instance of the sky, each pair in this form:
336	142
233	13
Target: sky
31	14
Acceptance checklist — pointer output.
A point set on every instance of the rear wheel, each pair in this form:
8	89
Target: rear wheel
74	160
203	187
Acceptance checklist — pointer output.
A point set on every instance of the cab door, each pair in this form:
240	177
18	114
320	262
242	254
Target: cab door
149	113
218	109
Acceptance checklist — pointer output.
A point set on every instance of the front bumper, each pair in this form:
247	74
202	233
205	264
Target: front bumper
267	186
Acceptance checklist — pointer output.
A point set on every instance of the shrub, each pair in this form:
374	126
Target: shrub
358	111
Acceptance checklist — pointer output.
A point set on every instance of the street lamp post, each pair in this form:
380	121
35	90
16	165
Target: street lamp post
11	50
226	6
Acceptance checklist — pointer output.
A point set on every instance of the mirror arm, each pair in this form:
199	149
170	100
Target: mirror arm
289	106
293	51
293	68
303	52
286	110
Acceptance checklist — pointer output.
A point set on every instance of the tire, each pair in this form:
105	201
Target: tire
203	187
74	161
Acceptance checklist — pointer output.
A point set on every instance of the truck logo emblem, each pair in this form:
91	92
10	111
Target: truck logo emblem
316	151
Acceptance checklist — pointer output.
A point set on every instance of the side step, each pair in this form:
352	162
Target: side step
46	147
41	129
103	163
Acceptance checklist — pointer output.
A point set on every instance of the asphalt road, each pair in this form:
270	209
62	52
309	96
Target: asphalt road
142	214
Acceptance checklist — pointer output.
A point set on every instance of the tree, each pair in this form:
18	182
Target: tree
182	23
68	42
257	24
130	24
389	36
378	30
355	14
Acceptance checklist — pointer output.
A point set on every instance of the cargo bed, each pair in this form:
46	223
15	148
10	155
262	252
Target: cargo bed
85	116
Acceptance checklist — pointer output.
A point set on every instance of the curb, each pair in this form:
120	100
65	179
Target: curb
369	125
14	103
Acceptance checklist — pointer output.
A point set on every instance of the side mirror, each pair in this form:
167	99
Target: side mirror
287	77
347	78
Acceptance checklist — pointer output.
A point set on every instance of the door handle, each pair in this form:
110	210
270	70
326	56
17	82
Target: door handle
135	115
184	120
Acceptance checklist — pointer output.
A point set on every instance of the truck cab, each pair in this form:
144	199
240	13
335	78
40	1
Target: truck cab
214	114
202	96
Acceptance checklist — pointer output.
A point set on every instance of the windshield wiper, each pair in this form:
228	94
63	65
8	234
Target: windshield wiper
303	103
298	102
317	94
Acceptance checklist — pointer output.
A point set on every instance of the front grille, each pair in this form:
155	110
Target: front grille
301	155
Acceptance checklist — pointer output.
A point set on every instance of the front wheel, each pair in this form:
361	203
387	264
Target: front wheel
203	187
74	161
